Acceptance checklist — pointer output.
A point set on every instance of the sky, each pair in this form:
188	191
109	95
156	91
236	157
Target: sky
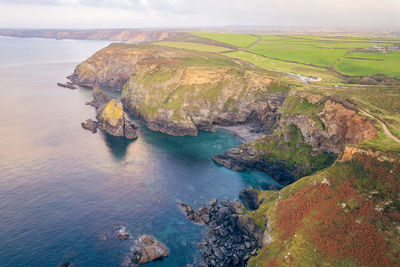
83	14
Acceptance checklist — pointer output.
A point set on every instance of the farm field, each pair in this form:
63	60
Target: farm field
278	65
334	59
238	40
362	67
194	46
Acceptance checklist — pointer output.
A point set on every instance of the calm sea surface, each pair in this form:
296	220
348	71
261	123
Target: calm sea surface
64	191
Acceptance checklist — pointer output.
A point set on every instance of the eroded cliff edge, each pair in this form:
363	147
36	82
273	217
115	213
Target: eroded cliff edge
181	92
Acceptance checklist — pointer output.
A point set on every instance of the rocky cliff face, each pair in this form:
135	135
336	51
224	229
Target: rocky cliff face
180	92
312	131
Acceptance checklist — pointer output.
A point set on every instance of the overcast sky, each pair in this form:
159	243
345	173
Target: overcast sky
189	13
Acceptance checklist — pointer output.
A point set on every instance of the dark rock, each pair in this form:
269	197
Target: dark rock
205	218
232	235
68	85
65	264
191	214
213	202
146	248
130	130
249	198
100	98
122	234
90	125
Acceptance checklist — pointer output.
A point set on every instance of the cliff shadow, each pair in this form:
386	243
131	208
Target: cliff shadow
118	146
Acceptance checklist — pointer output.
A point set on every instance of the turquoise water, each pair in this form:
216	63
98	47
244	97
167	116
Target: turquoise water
64	190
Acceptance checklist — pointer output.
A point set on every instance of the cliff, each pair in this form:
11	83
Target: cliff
312	131
130	36
180	92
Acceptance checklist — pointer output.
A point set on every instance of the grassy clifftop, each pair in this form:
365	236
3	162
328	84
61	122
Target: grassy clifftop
346	215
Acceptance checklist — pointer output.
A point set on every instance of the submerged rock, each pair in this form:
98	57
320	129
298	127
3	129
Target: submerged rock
65	264
146	248
90	125
122	234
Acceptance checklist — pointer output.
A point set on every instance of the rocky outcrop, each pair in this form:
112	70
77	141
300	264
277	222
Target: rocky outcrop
146	248
191	214
284	155
339	124
68	85
111	119
324	126
232	237
123	234
90	125
100	98
249	197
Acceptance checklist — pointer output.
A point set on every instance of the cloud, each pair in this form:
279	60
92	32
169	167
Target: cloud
161	13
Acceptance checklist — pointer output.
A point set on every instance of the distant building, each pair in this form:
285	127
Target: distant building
375	48
382	48
393	48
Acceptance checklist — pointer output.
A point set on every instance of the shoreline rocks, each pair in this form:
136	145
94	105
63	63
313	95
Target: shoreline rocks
249	198
111	117
68	85
233	237
146	248
90	125
123	234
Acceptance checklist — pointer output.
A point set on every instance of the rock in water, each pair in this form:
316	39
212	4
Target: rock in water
90	125
130	130
191	214
65	264
68	85
122	234
112	119
99	98
146	248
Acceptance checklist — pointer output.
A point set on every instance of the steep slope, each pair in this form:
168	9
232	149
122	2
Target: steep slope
312	131
346	215
180	92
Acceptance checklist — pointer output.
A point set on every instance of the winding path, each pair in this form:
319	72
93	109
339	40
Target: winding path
384	126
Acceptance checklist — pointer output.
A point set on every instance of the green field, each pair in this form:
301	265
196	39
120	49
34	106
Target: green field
193	46
390	55
238	40
332	58
271	64
362	67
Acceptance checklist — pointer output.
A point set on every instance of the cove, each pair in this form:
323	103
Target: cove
64	190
